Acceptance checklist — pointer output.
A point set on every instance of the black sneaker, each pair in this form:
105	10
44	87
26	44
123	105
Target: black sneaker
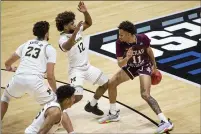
95	110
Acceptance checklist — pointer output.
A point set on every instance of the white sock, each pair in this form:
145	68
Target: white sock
161	116
113	108
93	102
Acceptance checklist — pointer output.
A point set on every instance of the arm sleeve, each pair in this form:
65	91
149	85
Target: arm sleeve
119	51
19	50
62	40
81	29
51	54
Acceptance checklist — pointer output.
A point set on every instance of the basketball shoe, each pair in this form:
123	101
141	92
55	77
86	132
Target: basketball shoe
164	127
110	118
94	109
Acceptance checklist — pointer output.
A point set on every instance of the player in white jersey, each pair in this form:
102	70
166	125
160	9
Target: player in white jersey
49	118
37	57
71	41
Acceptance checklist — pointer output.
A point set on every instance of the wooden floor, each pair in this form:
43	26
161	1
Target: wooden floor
179	101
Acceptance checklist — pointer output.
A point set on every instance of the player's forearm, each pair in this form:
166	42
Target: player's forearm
71	41
123	62
87	18
45	128
151	55
66	122
52	82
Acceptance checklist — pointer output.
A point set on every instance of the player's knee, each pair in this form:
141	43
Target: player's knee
5	97
145	96
105	86
114	82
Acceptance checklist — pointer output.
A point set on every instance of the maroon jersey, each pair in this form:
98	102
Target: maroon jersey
140	56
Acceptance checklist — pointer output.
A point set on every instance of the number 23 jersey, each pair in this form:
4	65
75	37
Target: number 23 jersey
78	54
34	56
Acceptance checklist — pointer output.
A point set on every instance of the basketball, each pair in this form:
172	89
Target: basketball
156	78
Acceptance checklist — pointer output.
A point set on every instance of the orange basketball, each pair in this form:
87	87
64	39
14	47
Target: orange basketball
156	77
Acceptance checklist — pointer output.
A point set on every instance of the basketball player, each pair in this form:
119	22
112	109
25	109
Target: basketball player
36	56
135	58
49	118
71	41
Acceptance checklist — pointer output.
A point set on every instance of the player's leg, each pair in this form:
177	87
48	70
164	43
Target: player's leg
145	86
96	76
76	78
5	99
37	88
120	77
13	90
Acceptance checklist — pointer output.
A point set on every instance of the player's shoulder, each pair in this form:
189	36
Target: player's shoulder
143	38
53	104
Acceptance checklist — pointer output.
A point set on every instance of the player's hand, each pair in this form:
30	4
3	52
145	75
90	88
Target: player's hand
154	69
78	26
81	7
11	69
129	53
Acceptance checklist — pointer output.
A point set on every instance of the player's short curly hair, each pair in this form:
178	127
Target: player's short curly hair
63	92
63	19
40	29
128	27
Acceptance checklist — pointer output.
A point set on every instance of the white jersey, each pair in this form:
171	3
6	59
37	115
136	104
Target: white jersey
34	56
40	118
78	54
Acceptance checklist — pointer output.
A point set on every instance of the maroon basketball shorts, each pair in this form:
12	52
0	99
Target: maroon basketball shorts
136	71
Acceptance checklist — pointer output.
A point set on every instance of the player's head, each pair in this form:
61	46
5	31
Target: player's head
41	30
65	96
126	30
65	21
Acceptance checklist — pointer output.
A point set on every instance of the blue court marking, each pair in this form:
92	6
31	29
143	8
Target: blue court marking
180	56
188	63
109	38
196	71
184	64
173	21
192	16
143	29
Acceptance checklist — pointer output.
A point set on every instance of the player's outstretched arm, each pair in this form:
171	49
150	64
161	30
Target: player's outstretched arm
88	21
52	116
12	59
151	55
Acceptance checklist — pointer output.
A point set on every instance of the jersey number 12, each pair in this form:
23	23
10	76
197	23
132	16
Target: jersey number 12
81	47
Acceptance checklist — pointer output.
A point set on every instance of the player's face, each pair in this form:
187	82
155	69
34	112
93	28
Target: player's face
47	34
123	35
71	26
70	101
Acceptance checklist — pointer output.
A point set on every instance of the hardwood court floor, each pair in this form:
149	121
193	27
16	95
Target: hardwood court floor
179	101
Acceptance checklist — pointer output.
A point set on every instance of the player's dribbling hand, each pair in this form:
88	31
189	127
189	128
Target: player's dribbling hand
129	53
81	7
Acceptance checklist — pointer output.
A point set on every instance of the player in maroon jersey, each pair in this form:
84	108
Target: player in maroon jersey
135	58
